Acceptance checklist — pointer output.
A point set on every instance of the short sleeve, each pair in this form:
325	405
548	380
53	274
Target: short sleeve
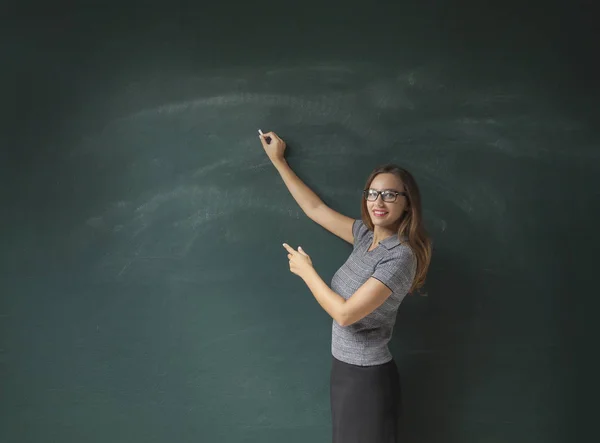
359	229
397	271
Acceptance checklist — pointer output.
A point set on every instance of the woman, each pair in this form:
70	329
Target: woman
390	258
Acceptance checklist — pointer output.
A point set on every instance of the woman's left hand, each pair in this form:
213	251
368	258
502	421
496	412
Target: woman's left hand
300	262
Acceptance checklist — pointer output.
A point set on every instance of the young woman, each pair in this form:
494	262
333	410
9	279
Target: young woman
390	258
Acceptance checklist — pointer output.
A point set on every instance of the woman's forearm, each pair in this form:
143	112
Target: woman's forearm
330	301
304	196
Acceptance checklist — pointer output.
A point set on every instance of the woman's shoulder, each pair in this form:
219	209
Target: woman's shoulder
359	229
405	255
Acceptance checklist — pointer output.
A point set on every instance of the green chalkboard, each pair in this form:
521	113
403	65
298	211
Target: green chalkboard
145	294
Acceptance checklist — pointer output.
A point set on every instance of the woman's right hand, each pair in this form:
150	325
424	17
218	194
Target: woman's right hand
275	149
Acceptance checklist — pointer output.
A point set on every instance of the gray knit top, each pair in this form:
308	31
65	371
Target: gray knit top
364	343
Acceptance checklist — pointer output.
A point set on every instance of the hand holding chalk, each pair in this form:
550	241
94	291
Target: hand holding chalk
273	145
267	138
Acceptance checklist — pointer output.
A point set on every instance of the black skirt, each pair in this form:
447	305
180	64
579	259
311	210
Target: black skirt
365	402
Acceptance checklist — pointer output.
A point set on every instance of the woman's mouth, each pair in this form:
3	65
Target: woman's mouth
379	213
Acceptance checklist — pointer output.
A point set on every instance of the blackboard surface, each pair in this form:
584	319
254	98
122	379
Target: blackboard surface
145	294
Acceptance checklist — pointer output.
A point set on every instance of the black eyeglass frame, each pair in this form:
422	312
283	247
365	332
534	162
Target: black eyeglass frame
366	194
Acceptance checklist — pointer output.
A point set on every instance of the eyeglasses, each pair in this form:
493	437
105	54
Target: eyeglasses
387	196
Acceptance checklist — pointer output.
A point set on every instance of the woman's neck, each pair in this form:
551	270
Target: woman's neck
380	234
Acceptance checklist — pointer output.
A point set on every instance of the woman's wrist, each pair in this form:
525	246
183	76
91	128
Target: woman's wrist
279	163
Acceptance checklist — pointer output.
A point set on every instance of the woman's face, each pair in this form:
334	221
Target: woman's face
387	214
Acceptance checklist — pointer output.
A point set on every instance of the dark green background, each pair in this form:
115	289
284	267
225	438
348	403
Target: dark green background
145	294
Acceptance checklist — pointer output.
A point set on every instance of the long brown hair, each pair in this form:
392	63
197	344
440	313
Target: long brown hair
411	222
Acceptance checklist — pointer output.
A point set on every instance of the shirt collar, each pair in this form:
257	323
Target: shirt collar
391	242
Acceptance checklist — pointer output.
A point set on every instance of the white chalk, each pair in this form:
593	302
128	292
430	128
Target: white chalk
260	132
